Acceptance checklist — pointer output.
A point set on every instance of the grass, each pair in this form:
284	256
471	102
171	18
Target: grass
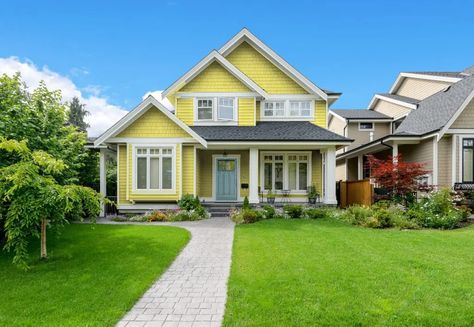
323	272
93	276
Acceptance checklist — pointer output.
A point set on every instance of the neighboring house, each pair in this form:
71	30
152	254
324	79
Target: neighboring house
426	117
245	122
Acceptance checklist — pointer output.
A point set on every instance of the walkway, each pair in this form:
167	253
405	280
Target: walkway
193	291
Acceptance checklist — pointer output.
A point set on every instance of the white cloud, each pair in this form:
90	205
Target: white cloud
157	95
102	113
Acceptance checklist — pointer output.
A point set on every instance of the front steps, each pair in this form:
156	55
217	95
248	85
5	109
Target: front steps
220	209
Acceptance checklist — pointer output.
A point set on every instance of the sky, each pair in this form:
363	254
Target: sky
111	53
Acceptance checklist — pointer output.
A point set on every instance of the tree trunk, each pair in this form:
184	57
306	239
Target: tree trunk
44	253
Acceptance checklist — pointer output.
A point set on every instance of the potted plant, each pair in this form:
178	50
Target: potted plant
270	197
313	194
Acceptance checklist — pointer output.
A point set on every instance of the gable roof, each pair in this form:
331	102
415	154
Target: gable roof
359	114
139	110
270	131
438	111
393	98
269	54
214	56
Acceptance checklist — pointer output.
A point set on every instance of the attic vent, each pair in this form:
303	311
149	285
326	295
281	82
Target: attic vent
447	89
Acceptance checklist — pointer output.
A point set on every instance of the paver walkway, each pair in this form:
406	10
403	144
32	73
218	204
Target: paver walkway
193	291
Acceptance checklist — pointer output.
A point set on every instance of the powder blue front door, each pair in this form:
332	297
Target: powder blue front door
226	179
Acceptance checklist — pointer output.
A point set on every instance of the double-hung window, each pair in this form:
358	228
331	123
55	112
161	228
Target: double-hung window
216	109
286	171
205	109
287	109
468	160
154	168
366	126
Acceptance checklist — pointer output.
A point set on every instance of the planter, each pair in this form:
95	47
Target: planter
312	200
271	200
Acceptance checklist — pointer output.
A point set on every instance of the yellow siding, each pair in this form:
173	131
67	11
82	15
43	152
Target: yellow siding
320	112
153	123
122	174
185	110
246	111
316	170
134	196
263	72
215	78
188	169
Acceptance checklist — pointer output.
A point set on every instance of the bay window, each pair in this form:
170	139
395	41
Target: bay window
154	168
287	109
216	109
468	160
286	171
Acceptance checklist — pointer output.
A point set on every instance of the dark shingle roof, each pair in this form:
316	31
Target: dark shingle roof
434	112
328	92
444	74
269	131
468	71
400	98
360	114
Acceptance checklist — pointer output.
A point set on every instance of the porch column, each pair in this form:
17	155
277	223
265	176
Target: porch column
394	151
360	167
102	178
330	178
253	175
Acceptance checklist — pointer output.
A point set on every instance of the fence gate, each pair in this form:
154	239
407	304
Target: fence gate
355	192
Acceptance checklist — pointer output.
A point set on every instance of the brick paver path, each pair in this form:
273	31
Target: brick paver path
193	291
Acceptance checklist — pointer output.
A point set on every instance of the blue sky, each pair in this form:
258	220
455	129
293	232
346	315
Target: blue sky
122	49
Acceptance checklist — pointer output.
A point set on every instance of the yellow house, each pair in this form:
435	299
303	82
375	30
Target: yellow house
245	123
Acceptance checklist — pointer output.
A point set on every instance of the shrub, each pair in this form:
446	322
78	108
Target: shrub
157	216
246	204
119	219
383	218
356	215
293	211
268	211
246	216
249	216
189	202
236	216
184	215
316	213
138	218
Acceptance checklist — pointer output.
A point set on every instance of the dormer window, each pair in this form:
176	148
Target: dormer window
287	109
215	110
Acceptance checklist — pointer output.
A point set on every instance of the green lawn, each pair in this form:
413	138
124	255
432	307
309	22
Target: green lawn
307	273
94	275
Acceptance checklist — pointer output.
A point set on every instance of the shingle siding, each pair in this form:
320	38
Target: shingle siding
420	88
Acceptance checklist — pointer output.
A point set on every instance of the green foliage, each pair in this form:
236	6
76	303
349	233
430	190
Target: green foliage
293	210
76	114
268	211
40	118
30	194
189	202
246	216
246	204
317	213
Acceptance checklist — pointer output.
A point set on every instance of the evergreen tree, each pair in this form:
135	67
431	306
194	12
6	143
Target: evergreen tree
77	113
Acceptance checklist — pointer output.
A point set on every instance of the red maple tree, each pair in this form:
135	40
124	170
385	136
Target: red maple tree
396	176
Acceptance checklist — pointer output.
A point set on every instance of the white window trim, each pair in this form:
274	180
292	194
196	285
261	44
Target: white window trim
134	170
215	157
367	129
287	107
285	155
215	120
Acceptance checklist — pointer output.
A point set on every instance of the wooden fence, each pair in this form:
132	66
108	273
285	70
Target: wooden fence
355	192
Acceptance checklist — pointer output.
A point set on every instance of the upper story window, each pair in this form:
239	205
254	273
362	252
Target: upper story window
216	109
366	126
287	109
154	168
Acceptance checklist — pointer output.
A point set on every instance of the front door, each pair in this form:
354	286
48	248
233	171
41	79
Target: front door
226	179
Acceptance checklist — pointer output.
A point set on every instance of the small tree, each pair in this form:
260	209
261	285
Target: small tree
31	199
399	178
77	113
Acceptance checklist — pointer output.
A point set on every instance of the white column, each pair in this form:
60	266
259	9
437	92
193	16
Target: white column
360	167
102	178
253	175
394	150
435	161
453	160
330	180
